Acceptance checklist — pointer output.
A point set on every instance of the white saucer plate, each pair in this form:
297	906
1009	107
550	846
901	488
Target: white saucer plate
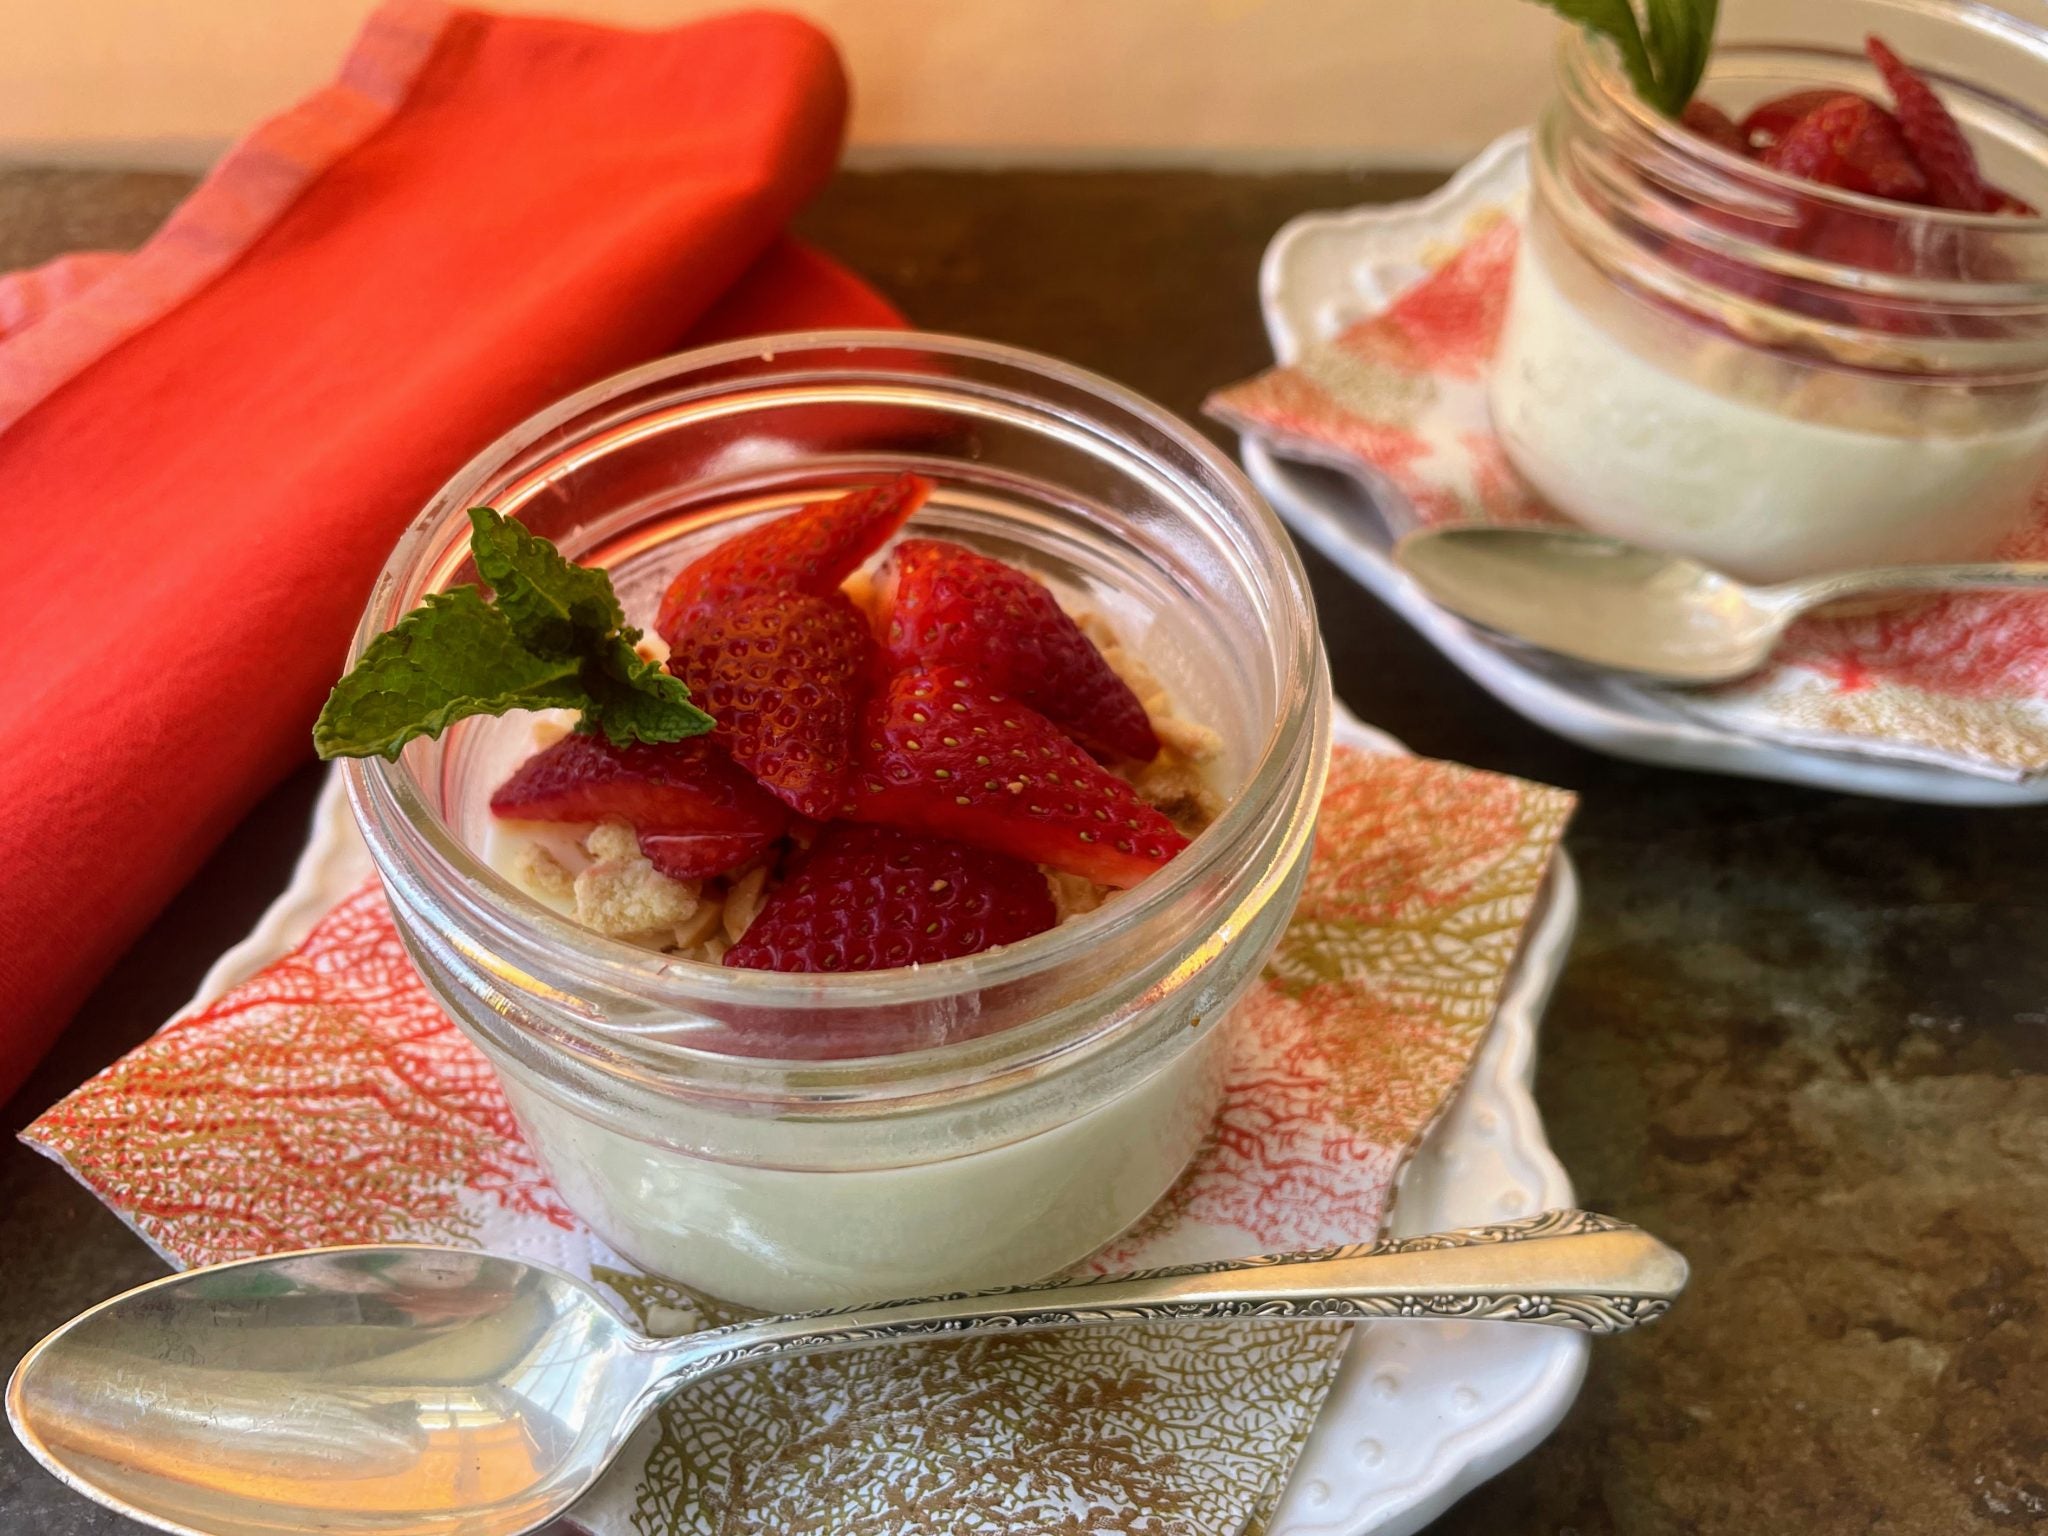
1420	1416
1421	1413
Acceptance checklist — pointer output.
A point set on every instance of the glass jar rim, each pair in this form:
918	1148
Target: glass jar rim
1585	57
414	842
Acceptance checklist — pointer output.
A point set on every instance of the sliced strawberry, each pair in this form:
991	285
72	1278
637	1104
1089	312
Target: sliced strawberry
939	602
694	812
784	675
1849	143
2003	201
1936	139
1770	121
1727	272
1710	122
942	752
868	898
811	550
1871	243
699	855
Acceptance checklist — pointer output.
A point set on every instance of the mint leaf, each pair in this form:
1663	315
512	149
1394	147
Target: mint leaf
1664	59
1680	36
556	607
555	637
630	698
454	655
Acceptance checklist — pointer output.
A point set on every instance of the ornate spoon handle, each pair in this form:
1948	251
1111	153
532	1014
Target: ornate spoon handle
1568	1269
1800	596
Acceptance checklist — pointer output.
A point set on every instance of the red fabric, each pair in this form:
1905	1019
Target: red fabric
194	519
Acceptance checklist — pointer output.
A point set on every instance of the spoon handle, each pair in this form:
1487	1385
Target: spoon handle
1798	596
1568	1269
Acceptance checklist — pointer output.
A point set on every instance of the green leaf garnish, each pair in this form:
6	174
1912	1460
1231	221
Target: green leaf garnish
557	608
632	699
1666	55
554	638
452	656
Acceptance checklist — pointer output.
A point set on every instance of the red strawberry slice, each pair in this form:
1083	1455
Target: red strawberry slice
942	752
939	602
1873	245
1770	121
784	675
693	811
1710	122
868	898
1849	143
1936	139
810	550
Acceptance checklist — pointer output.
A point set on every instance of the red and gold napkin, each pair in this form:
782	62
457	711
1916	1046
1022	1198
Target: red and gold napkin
208	447
1958	681
326	1098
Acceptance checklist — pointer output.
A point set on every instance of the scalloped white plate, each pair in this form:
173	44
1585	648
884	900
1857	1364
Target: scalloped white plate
1420	1412
1324	271
1422	1415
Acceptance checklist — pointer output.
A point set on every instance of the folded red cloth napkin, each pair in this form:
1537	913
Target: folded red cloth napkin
207	448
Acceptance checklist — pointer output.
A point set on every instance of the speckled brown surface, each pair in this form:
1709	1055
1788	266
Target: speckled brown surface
1803	1036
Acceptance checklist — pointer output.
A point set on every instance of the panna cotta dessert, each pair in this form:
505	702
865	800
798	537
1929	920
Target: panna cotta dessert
869	799
1786	342
867	916
1758	465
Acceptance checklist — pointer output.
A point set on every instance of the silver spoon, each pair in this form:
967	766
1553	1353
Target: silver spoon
421	1391
1660	616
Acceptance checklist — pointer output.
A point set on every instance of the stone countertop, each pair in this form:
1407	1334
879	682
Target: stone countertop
1803	1036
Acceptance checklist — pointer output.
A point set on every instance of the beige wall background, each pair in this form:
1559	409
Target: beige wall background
1226	82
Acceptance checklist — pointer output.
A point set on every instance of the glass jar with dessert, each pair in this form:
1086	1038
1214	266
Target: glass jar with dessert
1796	321
880	765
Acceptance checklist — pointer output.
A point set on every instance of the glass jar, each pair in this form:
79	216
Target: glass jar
1011	1111
1778	378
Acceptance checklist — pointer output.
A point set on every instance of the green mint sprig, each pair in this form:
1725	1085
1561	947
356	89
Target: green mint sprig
1665	53
555	637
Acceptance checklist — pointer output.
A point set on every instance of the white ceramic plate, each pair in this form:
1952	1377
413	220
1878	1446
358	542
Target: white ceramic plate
1420	1413
1326	270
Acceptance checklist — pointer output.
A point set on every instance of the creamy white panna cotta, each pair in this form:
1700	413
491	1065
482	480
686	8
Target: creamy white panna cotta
1763	467
961	1212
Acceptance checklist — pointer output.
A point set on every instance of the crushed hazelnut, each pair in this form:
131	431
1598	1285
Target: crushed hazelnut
1073	895
623	895
699	926
710	952
860	591
1095	627
1135	673
1176	788
543	874
611	841
1187	738
744	901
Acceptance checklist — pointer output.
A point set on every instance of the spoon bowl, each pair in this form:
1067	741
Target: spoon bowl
419	1391
1660	616
409	1391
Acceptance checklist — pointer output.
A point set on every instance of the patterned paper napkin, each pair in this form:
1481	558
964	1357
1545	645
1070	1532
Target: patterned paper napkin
328	1099
1959	680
